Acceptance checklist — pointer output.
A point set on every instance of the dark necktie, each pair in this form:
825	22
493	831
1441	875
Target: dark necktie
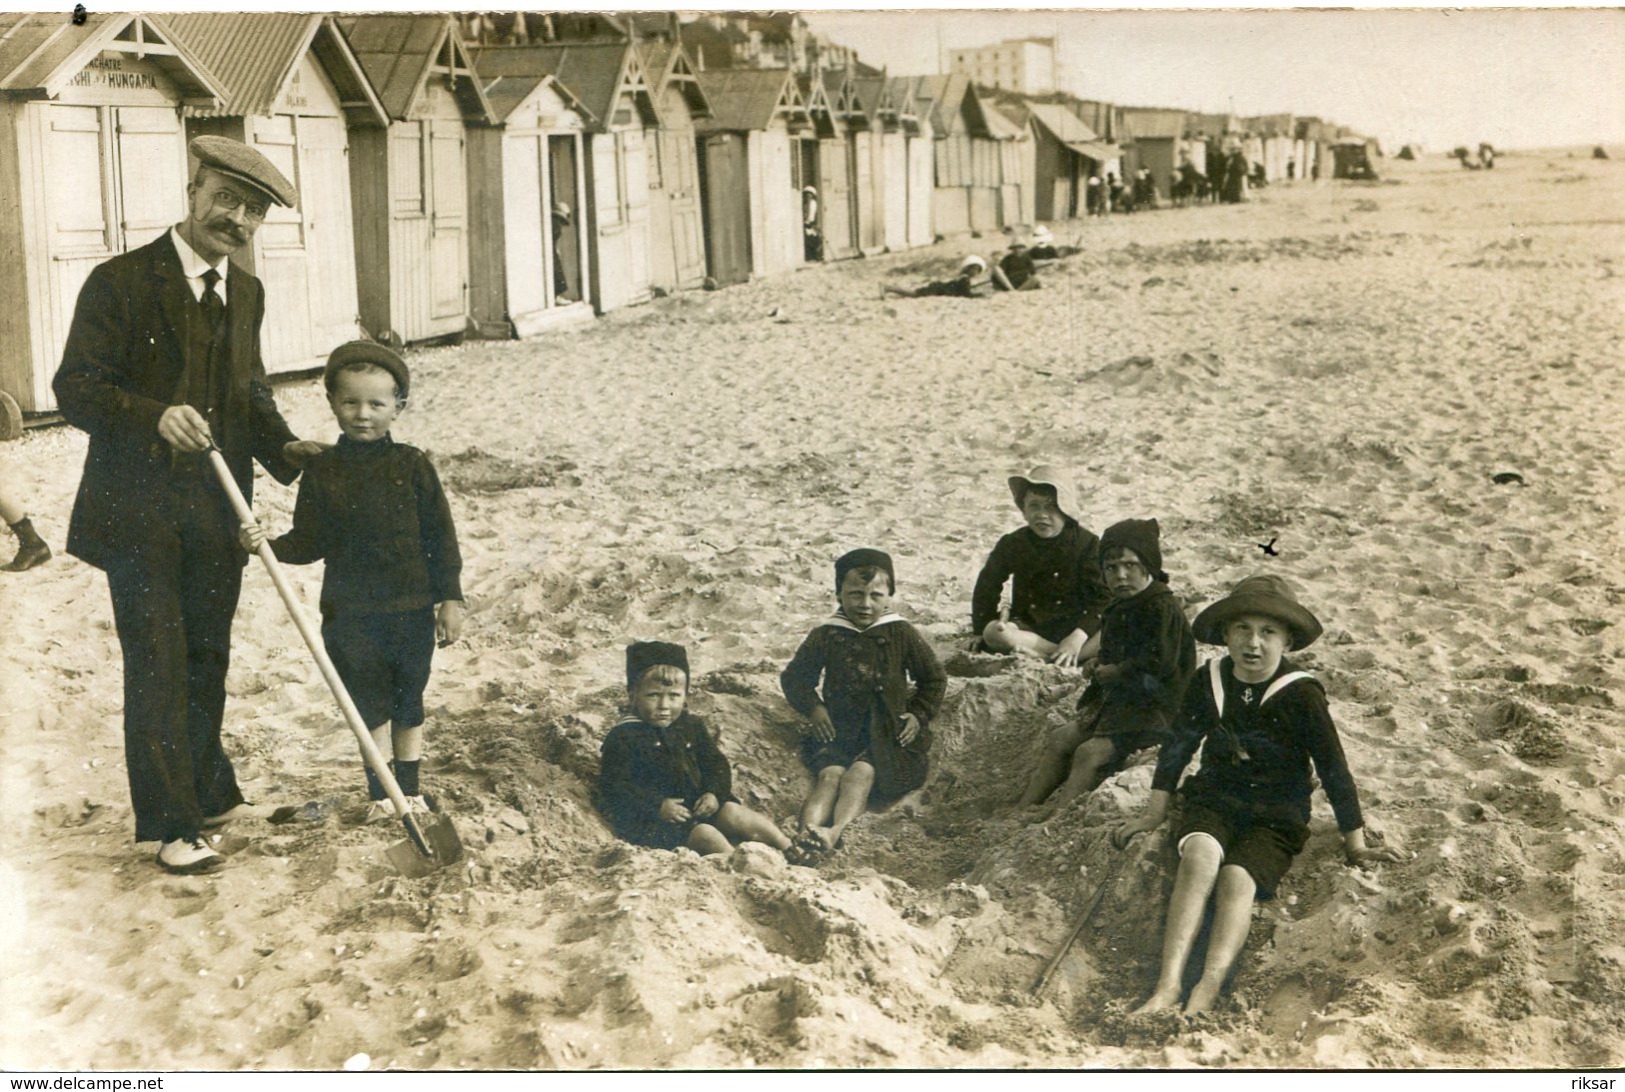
214	308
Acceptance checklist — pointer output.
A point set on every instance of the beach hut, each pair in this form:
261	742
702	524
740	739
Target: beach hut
837	214
92	164
980	179
409	181
530	266
676	228
880	98
1158	139
609	80
862	134
1067	152
915	115
748	160
294	90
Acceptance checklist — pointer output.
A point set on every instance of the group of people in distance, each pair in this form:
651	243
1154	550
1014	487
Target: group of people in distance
869	685
1014	269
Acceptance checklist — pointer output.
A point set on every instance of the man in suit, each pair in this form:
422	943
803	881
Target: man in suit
163	361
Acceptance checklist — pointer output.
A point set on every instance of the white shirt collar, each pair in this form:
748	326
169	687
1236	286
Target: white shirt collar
193	265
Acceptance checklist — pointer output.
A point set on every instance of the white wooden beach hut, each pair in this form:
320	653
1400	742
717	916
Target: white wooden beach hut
294	90
92	164
676	228
837	215
530	260
916	118
409	182
749	155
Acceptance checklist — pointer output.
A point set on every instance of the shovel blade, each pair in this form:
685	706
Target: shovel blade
433	844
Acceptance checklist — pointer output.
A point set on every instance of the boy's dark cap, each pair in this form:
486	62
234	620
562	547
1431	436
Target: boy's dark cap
246	164
367	352
1142	536
858	559
642	655
1047	476
1264	594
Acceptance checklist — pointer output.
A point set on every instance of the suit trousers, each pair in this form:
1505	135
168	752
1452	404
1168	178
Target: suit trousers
174	595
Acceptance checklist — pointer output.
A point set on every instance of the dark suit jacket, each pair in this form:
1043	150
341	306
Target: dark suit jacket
122	367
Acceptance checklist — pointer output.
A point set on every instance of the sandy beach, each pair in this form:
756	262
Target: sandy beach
1344	368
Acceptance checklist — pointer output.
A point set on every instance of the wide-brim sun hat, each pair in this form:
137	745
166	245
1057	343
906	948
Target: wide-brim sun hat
973	261
1044	475
1264	594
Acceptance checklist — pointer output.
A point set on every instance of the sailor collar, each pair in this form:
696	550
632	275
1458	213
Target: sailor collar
840	621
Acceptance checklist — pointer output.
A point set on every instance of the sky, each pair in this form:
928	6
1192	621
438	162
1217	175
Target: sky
1441	77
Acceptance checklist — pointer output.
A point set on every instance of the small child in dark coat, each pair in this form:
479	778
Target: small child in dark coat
868	730
663	782
374	512
1147	656
1057	593
1246	811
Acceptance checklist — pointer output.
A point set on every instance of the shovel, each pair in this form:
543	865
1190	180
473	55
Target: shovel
432	841
1077	930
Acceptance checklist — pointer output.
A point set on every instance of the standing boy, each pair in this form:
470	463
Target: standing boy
373	509
1246	811
869	721
1146	658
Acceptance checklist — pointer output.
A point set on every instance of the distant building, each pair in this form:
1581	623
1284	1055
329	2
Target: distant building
1023	65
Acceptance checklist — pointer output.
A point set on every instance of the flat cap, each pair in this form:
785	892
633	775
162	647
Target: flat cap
234	158
367	352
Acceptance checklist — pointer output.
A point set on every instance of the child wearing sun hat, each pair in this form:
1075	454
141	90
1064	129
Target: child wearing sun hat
1265	722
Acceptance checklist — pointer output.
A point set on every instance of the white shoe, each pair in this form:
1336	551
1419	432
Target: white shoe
188	857
418	805
379	810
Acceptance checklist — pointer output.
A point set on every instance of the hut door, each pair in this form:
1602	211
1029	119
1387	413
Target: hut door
324	202
835	200
448	219
150	174
563	171
678	158
727	207
635	162
281	260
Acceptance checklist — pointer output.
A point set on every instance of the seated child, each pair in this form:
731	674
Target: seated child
1054	562
1044	248
1146	658
1246	811
373	509
868	731
1020	274
663	782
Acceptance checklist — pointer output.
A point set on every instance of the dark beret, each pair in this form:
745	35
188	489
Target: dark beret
234	158
861	559
642	655
367	352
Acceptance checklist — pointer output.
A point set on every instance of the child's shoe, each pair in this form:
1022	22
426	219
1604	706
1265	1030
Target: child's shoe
379	810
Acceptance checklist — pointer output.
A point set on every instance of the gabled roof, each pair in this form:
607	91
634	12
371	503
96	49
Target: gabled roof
596	73
667	64
840	88
506	93
399	53
752	98
820	108
1069	129
1146	124
255	55
42	54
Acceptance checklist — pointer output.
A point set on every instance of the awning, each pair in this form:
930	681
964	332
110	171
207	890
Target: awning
1100	153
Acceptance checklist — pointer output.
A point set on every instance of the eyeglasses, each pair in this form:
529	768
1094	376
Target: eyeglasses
252	210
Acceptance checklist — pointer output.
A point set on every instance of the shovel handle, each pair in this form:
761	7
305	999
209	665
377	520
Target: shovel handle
352	716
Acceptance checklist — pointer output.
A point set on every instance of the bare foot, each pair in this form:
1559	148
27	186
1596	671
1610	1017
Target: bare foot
1161	1001
825	835
1201	998
1040	813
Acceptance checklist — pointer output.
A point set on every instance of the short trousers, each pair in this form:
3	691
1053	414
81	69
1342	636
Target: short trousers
1264	851
659	834
383	660
817	755
1127	728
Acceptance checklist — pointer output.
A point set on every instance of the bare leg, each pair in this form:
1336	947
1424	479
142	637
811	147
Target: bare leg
407	743
1086	763
1232	918
851	802
1052	766
741	823
896	290
1198	868
820	803
706	839
1009	637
